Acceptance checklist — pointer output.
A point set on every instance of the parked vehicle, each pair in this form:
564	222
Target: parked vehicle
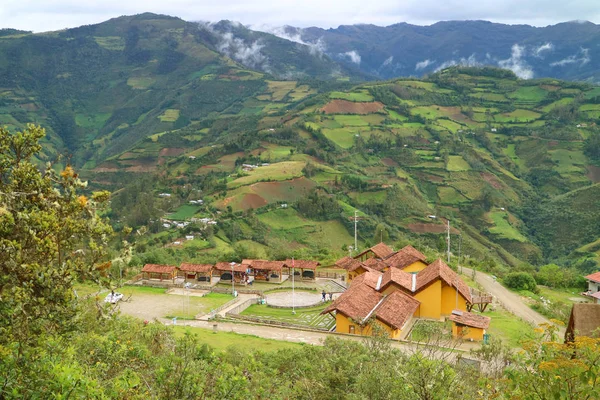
113	298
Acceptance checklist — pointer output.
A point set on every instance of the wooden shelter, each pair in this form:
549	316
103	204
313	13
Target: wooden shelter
584	321
307	269
269	271
226	269
160	272
199	272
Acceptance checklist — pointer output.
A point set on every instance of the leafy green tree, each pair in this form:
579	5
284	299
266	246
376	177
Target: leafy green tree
520	281
50	235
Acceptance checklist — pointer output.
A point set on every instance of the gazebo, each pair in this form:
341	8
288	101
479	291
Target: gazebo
269	271
160	272
199	272
308	268
225	270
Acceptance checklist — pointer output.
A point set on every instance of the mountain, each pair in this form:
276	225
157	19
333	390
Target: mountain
101	88
505	160
284	145
565	51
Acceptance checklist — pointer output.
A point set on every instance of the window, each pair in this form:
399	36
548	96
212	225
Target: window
351	329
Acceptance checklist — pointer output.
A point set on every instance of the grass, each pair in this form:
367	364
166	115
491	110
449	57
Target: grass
141	82
343	137
503	229
198	305
351	120
510	329
518	115
110	42
352	96
170	115
223	340
184	212
280	89
310	317
533	94
283	218
568	161
94	121
275	172
449	195
457	163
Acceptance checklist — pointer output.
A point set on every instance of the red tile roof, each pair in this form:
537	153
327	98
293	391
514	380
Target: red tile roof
401	260
267	265
302	264
414	252
380	250
594	277
439	269
376	264
397	276
225	266
470	319
159	269
356	302
348	263
196	267
396	309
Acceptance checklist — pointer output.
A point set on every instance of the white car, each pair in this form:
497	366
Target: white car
113	298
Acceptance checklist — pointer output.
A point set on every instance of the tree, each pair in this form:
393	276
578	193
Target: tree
381	233
520	281
50	235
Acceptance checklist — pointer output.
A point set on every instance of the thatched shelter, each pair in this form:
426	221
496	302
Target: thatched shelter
584	321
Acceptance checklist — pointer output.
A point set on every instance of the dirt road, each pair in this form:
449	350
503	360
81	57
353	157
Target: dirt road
509	300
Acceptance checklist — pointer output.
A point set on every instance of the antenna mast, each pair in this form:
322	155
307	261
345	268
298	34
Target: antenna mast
355	230
448	241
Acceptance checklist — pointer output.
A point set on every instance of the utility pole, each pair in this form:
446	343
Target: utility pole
459	246
293	288
355	230
448	241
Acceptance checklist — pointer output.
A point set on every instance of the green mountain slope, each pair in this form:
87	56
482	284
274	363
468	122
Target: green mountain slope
101	88
476	146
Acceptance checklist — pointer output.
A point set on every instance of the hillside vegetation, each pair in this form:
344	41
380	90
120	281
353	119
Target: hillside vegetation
152	104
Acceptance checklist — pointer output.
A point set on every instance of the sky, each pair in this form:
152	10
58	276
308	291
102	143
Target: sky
47	15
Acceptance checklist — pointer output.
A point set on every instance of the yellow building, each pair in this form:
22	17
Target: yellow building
468	326
434	292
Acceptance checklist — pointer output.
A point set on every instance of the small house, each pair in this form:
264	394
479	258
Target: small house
593	286
469	326
198	272
160	272
584	321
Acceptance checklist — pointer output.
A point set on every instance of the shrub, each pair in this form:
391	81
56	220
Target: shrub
520	281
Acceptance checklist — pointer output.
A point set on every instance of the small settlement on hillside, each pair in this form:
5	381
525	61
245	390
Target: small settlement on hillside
393	289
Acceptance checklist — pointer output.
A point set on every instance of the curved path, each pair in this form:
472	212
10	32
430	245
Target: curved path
509	300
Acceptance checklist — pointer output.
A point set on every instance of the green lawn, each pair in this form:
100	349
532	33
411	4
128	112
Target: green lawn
503	229
184	212
352	96
351	120
222	340
310	317
457	163
170	115
343	137
510	329
533	94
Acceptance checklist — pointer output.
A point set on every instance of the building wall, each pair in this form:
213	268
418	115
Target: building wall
467	332
344	324
415	267
449	300
431	301
593	286
355	273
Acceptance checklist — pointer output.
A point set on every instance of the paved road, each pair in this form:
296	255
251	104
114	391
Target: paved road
509	300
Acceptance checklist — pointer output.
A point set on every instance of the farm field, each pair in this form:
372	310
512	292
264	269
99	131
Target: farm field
275	172
310	317
503	229
184	212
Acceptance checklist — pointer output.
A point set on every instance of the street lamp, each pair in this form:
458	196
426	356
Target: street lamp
232	279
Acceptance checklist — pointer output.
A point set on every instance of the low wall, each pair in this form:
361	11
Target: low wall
270	322
236	310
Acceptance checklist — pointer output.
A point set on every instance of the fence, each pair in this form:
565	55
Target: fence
330	275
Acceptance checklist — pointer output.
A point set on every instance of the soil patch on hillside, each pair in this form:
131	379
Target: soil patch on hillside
351	107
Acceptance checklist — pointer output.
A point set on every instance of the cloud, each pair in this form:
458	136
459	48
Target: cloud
236	48
423	64
388	61
516	63
546	47
581	58
352	56
43	15
471	61
292	34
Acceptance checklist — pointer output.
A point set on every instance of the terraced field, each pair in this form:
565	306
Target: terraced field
310	317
